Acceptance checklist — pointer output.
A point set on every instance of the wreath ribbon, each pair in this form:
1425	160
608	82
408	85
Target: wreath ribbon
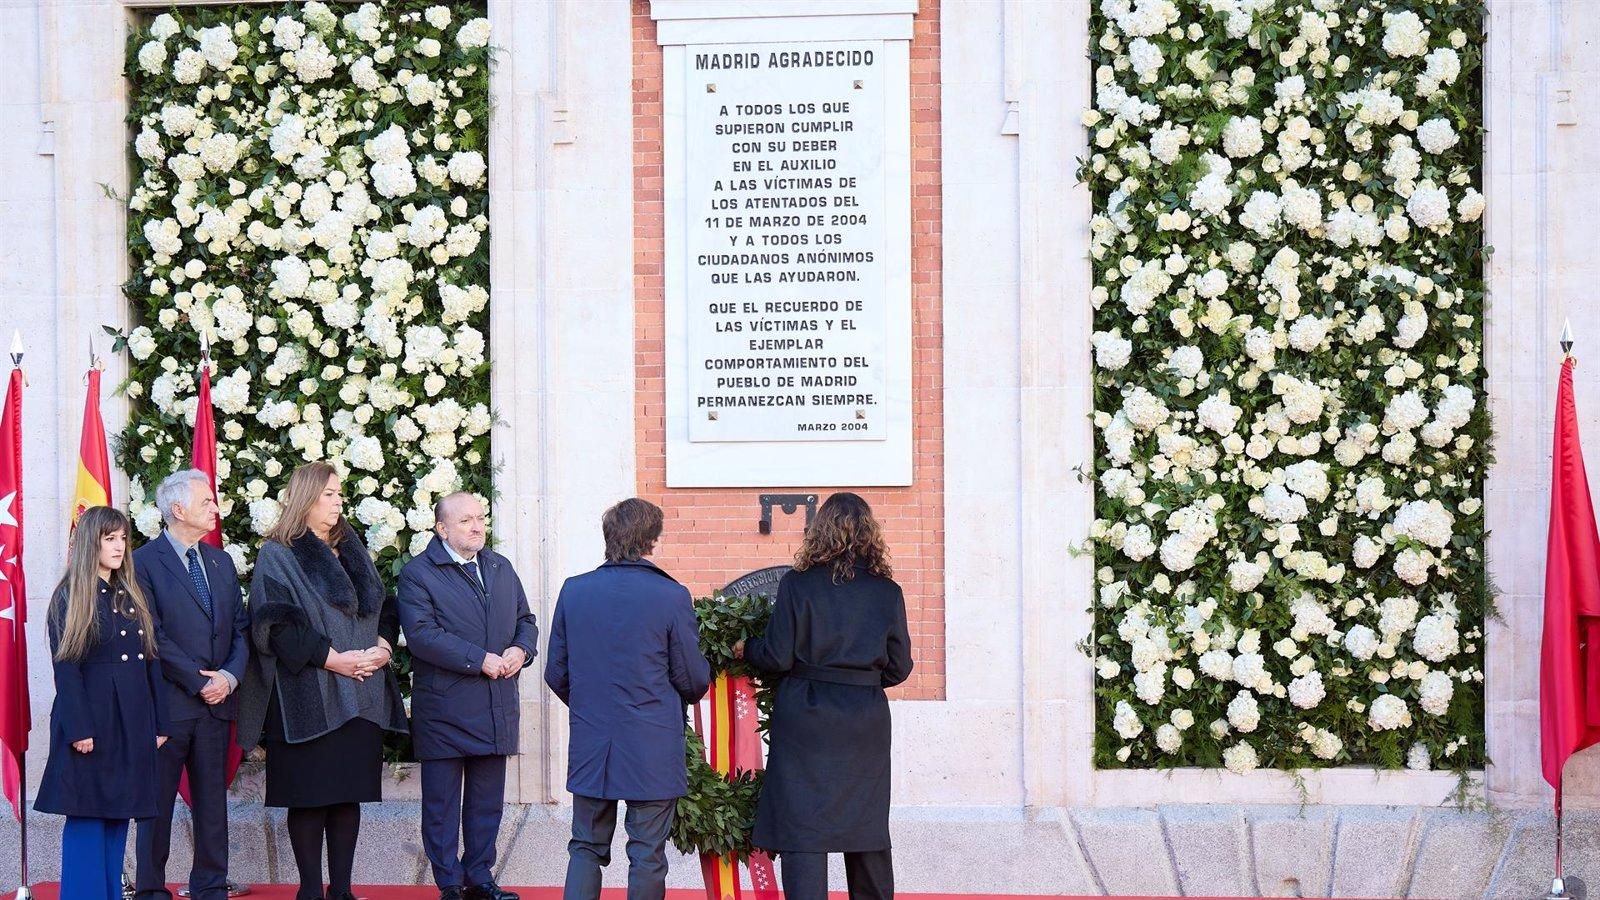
734	744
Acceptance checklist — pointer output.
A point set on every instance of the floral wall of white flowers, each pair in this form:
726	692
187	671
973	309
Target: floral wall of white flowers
309	192
1291	434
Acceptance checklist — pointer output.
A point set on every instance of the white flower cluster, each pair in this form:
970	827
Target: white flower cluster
1287	351
310	190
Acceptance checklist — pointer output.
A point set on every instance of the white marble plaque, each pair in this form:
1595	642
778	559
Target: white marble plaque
788	276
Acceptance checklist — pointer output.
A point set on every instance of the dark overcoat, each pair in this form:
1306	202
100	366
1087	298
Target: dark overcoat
624	656
838	646
187	637
116	696
450	626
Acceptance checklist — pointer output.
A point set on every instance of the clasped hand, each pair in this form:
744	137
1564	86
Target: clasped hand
504	665
216	689
357	664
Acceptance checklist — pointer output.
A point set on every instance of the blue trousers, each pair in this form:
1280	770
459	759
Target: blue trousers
91	858
462	796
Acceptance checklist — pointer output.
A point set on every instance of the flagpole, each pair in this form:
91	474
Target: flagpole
1558	884
23	891
20	636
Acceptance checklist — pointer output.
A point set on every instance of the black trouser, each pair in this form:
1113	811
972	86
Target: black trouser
870	876
648	823
199	746
473	815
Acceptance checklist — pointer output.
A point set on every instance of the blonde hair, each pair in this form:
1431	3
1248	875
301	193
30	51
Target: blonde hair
843	536
77	619
302	492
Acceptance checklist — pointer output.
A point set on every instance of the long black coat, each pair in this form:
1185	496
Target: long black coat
840	645
116	695
190	640
456	710
625	657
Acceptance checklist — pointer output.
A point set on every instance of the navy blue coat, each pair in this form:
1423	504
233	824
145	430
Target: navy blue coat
625	657
456	710
187	638
116	696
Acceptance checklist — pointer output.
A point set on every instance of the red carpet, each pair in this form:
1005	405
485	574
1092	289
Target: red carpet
47	891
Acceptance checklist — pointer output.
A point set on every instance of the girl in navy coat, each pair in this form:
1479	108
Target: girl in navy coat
109	717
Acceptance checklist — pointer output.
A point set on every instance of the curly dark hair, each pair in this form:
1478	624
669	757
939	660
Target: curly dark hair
844	535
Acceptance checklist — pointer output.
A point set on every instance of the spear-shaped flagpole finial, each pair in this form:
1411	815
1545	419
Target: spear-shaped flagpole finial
16	347
1566	336
205	347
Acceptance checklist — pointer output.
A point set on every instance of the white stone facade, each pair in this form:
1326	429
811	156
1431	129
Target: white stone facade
1005	758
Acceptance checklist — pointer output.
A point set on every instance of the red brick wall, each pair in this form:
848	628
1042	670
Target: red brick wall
710	536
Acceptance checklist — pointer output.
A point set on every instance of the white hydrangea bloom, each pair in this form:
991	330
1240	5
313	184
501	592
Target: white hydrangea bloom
1307	691
1241	137
1126	722
1388	712
1437	135
1244	714
1426	521
1240	758
1429	206
1434	693
1403	34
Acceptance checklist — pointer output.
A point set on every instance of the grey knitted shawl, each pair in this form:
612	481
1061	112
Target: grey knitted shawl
338	596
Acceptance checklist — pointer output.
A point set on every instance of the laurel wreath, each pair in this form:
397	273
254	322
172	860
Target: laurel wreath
718	813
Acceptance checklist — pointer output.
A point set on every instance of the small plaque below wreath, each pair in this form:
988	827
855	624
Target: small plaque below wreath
759	583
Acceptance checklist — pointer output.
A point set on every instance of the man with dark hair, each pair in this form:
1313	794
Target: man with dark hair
625	658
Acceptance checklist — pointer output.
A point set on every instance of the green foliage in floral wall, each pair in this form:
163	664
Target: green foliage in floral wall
1291	433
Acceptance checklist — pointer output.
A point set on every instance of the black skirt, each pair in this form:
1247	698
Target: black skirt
343	766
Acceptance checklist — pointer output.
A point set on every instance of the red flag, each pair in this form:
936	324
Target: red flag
94	463
15	718
1569	666
203	456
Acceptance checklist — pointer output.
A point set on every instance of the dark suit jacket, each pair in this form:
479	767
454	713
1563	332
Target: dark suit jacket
456	710
190	640
625	657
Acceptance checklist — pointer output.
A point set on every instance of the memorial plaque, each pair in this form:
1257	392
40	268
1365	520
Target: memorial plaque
787	315
788	264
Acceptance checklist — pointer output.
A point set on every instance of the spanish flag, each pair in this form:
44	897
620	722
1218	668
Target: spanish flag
94	464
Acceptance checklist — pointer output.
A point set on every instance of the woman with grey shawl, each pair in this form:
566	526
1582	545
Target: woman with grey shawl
319	692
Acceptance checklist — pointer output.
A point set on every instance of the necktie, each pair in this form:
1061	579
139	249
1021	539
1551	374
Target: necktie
199	579
472	572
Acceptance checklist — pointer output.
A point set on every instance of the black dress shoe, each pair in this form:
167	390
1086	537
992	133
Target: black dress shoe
450	893
488	891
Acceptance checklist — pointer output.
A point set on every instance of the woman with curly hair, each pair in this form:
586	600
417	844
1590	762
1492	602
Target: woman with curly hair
838	634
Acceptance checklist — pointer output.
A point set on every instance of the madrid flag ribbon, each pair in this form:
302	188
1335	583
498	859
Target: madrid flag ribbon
94	463
15	718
